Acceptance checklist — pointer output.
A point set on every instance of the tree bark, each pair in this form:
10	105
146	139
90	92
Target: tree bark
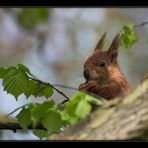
124	118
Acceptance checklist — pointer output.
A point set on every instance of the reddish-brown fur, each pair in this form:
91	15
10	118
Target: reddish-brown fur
102	73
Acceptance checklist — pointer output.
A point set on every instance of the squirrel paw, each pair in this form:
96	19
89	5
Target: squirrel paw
90	86
83	87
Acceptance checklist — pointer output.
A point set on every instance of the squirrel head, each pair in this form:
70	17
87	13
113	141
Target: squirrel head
102	66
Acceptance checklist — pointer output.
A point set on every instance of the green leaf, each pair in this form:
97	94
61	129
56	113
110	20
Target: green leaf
18	109
2	72
24	118
47	92
16	83
129	36
40	133
52	121
83	109
69	114
43	90
33	85
25	69
30	17
65	117
39	110
129	26
94	100
75	99
9	71
78	107
71	106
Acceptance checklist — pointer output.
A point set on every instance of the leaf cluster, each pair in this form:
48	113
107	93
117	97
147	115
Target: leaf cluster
16	81
129	36
51	116
29	18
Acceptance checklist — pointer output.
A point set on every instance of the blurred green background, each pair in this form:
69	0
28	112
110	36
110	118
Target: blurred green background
54	42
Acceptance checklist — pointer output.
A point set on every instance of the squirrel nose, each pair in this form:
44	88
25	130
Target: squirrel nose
86	74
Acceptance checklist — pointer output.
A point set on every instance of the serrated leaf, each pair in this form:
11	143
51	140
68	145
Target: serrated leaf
47	92
43	90
17	84
69	114
129	26
40	133
10	71
75	99
33	86
18	108
65	117
95	100
25	69
2	72
52	122
73	119
71	106
129	36
38	112
29	17
83	109
24	118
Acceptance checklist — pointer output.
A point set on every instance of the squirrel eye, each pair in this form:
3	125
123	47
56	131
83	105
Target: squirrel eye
102	64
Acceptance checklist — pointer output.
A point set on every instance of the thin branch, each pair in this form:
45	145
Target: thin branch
18	109
141	24
69	87
47	83
64	86
16	126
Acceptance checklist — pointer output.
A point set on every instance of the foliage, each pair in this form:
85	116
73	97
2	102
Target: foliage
129	36
16	81
30	17
52	117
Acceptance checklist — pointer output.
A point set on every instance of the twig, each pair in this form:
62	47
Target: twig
47	83
141	24
15	126
64	86
18	109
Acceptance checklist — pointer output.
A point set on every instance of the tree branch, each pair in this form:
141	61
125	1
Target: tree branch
47	83
141	24
64	86
15	126
10	123
124	118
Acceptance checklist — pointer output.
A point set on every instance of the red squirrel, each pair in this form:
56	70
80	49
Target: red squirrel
102	72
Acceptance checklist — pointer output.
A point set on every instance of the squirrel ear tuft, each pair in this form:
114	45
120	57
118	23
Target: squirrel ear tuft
113	49
100	44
